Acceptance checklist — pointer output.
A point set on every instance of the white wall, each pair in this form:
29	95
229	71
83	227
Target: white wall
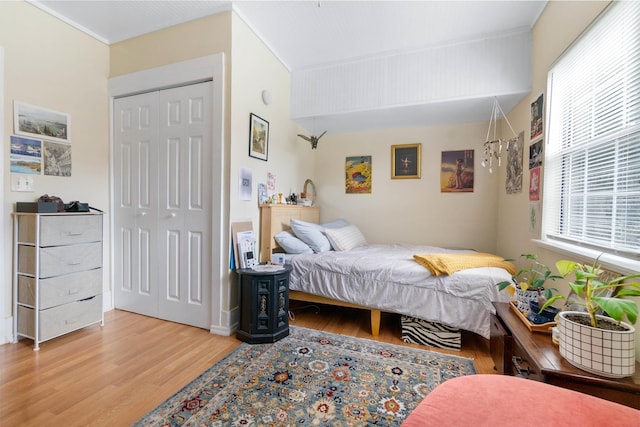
50	64
552	35
410	210
254	69
5	324
250	68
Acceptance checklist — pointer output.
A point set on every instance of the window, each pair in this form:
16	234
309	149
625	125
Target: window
592	166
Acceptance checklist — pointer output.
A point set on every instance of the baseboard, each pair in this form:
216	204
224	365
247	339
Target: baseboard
218	330
230	322
107	301
6	332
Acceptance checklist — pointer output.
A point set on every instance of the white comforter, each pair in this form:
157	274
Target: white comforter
386	277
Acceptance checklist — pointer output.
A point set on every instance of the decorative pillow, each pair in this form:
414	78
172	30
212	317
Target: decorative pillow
338	223
345	238
291	244
311	234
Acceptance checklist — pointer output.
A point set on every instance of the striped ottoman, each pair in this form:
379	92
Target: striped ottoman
418	331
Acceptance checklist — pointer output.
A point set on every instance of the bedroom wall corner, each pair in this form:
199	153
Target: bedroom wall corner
256	69
50	64
552	34
194	40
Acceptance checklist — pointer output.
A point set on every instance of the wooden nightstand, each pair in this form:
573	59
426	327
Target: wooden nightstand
517	351
264	305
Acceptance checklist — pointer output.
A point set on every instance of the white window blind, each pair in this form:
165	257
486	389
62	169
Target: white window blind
592	160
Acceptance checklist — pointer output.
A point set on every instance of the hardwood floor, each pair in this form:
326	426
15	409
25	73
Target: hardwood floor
113	375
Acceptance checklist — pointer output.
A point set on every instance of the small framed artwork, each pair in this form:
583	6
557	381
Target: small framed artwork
457	172
405	161
42	123
258	137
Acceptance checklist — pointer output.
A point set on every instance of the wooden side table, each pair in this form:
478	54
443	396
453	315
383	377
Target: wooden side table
517	351
264	305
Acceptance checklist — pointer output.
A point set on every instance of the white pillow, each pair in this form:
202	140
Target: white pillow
311	234
345	238
291	244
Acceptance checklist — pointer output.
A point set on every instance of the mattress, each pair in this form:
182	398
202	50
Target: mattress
386	277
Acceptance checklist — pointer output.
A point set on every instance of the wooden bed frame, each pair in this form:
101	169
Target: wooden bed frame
274	219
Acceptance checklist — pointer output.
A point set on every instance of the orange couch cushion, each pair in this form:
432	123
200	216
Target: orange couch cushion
501	400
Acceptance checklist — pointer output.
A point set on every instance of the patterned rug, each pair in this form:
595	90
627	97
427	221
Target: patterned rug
310	378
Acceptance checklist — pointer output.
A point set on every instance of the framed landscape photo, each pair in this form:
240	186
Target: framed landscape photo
258	137
405	161
42	123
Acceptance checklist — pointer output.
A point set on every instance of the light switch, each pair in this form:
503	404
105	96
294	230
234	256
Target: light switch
21	183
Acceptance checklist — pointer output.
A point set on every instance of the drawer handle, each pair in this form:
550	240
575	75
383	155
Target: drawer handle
70	321
521	372
72	291
74	263
74	233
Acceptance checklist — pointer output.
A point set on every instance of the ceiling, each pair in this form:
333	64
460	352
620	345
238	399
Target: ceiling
307	34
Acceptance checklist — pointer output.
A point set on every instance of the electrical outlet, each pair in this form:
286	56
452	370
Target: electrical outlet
21	183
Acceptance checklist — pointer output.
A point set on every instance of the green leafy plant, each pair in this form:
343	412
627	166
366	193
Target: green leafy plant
596	295
532	276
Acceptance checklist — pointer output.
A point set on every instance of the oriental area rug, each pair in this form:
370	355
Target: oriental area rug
310	378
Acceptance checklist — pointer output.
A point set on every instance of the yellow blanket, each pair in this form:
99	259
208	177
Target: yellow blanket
440	264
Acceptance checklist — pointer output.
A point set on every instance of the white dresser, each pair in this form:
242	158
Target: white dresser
57	274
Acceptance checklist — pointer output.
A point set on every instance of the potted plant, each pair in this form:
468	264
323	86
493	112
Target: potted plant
589	340
529	283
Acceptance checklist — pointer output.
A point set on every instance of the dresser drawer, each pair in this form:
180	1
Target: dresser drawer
500	344
62	319
59	260
523	364
65	229
60	289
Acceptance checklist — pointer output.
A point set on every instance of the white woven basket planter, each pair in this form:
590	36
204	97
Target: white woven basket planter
523	298
599	351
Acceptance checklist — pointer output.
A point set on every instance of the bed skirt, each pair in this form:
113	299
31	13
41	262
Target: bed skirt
418	331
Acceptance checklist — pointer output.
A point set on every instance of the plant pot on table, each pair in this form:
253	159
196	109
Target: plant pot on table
548	314
606	352
524	297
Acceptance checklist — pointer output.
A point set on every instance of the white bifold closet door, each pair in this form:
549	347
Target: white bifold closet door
162	204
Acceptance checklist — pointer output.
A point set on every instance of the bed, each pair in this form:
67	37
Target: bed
385	278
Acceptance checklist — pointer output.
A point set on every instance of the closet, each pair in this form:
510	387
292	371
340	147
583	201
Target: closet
163	204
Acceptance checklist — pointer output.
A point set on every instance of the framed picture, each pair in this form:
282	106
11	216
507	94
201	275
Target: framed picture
456	171
405	161
42	123
258	137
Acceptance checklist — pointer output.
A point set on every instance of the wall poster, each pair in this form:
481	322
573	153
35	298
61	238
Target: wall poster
358	174
57	159
514	166
537	113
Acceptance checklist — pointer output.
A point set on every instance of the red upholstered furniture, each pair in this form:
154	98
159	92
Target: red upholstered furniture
501	400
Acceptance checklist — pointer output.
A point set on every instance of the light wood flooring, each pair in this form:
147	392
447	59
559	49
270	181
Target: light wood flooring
112	376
